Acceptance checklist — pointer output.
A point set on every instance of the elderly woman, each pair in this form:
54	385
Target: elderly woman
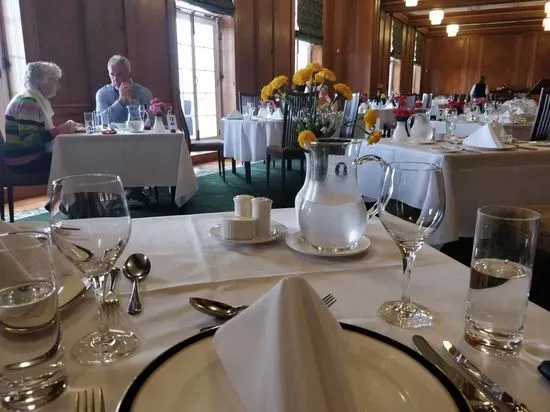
29	126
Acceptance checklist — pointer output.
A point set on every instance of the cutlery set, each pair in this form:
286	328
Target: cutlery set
481	392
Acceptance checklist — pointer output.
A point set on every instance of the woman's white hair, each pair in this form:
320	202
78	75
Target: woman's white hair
37	73
117	59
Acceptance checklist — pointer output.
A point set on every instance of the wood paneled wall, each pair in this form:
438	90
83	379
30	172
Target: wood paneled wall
454	64
81	35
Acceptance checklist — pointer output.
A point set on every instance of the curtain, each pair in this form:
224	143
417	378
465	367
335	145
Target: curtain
215	6
309	14
396	38
418	48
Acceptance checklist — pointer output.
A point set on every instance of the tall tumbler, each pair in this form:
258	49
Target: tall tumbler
500	277
32	361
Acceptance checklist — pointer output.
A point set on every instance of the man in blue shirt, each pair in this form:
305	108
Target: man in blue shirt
113	98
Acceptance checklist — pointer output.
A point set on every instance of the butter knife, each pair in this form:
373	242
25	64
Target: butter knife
475	394
492	387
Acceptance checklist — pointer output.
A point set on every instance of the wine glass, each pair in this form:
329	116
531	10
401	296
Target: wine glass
411	206
90	225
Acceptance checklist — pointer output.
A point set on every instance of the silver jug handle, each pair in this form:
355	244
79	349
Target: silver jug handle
374	158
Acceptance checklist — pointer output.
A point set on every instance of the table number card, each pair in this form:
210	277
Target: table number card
172	124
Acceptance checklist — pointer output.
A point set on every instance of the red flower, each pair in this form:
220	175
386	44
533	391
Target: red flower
402	113
401	101
160	108
418	104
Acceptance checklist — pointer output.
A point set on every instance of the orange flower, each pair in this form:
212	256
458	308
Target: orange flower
370	118
324	75
301	77
306	136
266	93
278	82
314	67
343	90
374	137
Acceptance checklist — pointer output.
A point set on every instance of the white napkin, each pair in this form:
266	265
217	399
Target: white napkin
287	353
487	136
11	267
277	114
235	115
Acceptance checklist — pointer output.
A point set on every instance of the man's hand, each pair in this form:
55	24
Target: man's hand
68	127
126	93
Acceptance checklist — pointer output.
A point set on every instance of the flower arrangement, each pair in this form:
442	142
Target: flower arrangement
380	95
402	113
453	104
160	108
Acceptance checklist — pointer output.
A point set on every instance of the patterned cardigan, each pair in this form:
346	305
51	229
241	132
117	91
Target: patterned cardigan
26	135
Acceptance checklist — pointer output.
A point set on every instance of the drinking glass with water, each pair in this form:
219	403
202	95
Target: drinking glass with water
500	277
89	122
32	361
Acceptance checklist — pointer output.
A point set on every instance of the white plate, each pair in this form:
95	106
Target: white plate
385	376
296	241
491	149
541	143
278	230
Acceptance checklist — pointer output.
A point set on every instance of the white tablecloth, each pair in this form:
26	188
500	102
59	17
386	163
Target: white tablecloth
472	179
140	159
246	140
187	262
463	129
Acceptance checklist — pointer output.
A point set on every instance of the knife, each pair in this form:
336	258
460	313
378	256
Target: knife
487	383
478	398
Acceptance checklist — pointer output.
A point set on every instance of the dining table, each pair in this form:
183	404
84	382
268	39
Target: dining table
140	159
187	261
247	139
515	176
520	131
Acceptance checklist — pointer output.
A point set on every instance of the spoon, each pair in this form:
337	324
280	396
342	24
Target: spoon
136	268
214	308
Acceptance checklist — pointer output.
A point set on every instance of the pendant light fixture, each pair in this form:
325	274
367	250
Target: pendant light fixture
452	30
411	3
436	16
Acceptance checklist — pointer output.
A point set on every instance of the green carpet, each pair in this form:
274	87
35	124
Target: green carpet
215	195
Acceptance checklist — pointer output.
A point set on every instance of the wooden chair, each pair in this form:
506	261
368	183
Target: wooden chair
350	117
9	180
541	126
244	99
297	102
206	146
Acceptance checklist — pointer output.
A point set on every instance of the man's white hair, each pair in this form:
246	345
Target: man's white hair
117	59
37	73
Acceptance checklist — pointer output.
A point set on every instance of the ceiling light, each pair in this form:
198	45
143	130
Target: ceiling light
452	30
411	3
547	8
436	16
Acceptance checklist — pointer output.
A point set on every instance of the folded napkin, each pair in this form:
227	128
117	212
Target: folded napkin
487	136
287	353
263	113
10	263
277	114
235	115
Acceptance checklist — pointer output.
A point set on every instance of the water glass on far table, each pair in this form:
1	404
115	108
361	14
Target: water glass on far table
89	122
32	361
500	277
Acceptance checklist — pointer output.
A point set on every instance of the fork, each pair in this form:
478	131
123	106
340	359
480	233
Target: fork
110	297
85	400
328	300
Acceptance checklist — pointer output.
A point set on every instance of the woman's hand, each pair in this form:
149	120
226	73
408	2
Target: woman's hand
68	127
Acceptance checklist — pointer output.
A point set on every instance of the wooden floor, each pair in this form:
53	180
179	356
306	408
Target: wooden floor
39	201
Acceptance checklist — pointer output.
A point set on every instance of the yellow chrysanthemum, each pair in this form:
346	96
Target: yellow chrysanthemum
314	67
343	90
299	78
278	82
369	118
306	136
375	137
324	75
266	93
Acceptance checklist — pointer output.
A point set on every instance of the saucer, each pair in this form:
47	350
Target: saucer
296	241
278	230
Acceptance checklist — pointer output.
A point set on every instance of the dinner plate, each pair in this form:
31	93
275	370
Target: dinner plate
278	230
385	376
490	149
541	143
296	241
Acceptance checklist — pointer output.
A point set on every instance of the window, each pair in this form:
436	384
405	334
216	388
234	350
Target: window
198	61
303	54
417	73
395	76
417	62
